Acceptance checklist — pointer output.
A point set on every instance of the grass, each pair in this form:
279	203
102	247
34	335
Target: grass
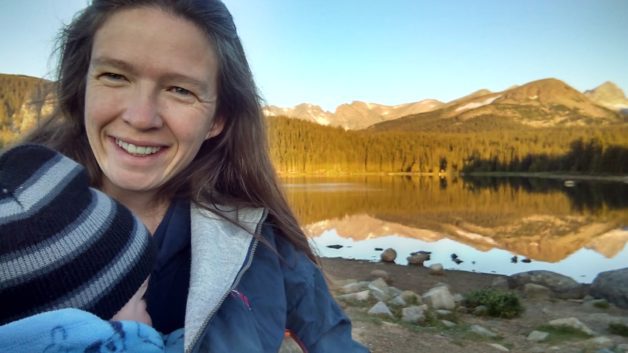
559	334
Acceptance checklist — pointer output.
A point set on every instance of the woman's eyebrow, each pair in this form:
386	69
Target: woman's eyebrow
119	64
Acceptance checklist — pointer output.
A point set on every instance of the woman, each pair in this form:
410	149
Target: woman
157	100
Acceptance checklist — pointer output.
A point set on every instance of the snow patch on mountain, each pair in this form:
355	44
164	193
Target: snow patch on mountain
477	104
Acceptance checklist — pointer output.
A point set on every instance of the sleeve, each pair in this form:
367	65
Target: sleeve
313	316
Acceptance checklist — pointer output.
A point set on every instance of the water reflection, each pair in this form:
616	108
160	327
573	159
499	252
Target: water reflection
484	220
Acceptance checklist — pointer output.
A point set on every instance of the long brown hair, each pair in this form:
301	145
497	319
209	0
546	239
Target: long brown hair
233	168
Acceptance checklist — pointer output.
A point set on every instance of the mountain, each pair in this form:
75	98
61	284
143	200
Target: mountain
609	96
304	111
24	100
543	103
353	116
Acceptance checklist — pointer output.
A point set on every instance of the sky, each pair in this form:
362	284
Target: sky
330	52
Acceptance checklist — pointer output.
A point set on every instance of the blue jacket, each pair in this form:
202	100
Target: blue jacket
74	331
243	294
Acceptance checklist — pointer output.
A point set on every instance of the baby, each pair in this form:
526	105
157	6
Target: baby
74	264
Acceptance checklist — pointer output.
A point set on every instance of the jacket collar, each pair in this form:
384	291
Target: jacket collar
220	252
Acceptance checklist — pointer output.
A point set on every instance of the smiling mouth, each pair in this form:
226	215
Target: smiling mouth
137	150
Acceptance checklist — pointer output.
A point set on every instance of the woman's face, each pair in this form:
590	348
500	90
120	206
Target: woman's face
150	98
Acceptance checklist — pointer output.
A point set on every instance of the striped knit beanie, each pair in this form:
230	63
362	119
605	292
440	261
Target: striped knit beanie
62	243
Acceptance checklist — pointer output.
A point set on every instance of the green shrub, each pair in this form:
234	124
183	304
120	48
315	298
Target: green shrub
498	303
601	304
618	329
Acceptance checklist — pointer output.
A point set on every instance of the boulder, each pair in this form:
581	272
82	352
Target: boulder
357	297
388	255
612	286
380	274
413	314
354	287
573	323
381	309
448	323
411	297
439	298
417	259
484	332
499	347
600	342
380	290
397	301
536	291
500	282
437	270
538	336
562	286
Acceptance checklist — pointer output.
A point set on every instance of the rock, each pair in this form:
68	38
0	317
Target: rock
439	298
612	286
358	296
394	291
622	347
604	319
380	274
499	347
536	291
441	313
480	310
379	289
335	246
572	322
411	297
380	309
388	255
500	283
397	301
417	259
537	336
354	287
563	287
604	350
448	323
413	314
599	342
484	332
458	298
437	270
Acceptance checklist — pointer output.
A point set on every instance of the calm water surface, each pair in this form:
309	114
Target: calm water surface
490	224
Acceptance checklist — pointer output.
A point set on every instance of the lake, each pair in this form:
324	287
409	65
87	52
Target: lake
493	225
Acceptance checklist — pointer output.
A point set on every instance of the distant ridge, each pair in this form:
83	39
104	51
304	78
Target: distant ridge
355	115
543	103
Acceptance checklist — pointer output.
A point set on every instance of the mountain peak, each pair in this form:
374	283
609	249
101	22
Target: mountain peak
608	95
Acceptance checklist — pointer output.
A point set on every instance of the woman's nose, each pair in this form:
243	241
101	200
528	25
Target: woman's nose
142	111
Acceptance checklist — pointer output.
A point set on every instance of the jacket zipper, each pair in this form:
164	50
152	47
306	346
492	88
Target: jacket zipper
235	284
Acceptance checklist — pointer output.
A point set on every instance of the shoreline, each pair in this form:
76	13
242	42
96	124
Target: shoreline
539	175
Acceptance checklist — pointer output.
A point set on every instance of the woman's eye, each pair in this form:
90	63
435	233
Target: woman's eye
180	91
112	76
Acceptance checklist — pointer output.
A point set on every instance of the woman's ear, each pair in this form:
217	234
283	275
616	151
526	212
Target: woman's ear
217	126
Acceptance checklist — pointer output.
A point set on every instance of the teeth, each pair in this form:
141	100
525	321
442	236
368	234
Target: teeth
137	150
